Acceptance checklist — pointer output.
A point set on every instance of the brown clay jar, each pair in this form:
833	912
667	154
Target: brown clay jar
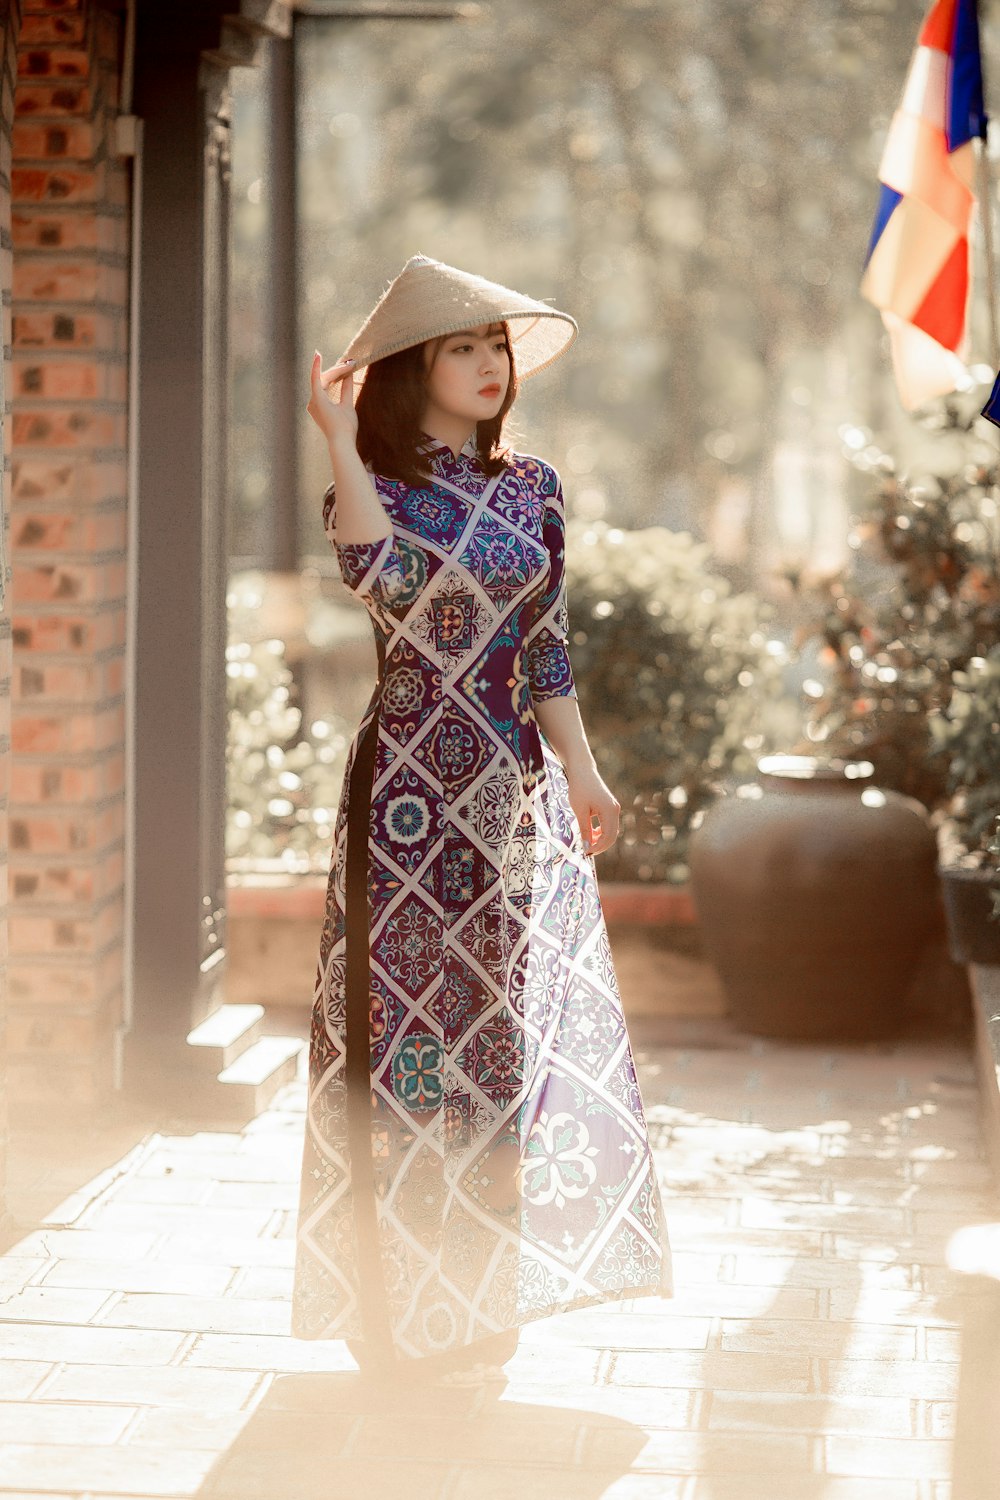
815	892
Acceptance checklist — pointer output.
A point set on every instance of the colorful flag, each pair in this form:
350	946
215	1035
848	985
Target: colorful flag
917	269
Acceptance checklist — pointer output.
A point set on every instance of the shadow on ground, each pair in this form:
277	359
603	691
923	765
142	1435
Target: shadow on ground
339	1436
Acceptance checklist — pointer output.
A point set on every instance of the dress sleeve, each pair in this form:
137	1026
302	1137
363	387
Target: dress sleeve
548	668
371	570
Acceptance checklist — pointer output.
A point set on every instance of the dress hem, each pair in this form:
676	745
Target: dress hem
648	1289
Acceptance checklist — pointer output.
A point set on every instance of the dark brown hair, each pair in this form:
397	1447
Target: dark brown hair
390	406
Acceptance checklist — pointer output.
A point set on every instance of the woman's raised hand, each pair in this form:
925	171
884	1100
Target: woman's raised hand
334	416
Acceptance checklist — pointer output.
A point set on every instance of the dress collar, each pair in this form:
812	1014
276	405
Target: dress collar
468	448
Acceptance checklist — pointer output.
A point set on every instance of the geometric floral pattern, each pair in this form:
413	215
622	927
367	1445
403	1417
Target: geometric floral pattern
490	1163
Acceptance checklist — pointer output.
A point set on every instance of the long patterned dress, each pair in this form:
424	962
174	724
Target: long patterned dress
476	1153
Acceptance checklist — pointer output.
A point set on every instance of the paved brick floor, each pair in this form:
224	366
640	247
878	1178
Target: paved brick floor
810	1353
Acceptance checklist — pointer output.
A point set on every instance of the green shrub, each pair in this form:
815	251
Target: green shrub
676	679
966	737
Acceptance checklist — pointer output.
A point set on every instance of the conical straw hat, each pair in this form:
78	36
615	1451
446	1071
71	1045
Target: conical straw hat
429	298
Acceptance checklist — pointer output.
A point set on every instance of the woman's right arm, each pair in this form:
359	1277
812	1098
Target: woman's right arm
361	516
356	522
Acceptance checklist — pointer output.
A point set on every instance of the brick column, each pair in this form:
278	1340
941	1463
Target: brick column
10	22
68	542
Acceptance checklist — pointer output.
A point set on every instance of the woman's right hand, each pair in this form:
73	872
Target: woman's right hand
335	417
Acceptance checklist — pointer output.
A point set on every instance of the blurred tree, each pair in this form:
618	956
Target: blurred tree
695	182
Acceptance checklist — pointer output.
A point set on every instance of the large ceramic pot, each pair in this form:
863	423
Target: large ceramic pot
973	931
815	892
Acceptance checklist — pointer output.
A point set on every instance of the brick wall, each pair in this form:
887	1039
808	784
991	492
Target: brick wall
10	21
67	400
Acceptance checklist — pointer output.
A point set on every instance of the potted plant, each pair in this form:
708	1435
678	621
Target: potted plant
814	889
918	603
966	732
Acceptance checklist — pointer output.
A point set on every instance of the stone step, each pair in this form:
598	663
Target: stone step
223	1037
258	1063
249	1084
238	1093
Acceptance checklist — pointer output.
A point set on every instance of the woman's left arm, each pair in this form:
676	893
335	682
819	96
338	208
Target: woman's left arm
553	691
589	798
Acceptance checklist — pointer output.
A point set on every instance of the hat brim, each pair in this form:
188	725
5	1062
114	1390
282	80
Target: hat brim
430	299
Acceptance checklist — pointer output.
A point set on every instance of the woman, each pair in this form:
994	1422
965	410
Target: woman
476	1153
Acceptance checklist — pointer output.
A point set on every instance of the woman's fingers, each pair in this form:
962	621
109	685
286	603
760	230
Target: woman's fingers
324	380
607	819
345	395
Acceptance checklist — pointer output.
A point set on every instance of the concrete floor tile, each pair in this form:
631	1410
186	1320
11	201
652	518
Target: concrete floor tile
197	1314
886	1416
766	1213
253	1474
347	1393
284	1195
563	1484
19	1377
223	1351
871	1304
710	1452
960	1203
545	1436
753	1140
62	1422
824	1340
643	1487
556	1364
114	1471
944	1344
802	1487
694	1237
954	1173
186	1428
596	1328
225	1250
715	1369
300	1433
696	1270
888	1377
941	1419
910	1249
820	1272
196	1143
875	1458
53	1304
9	1494
166	1387
273	1282
932	1224
40	1341
143	1276
178	1188
234	1165
176	1218
17	1271
84	1244
701	1209
643	1406
727	1300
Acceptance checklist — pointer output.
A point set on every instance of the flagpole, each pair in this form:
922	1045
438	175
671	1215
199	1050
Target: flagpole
986	219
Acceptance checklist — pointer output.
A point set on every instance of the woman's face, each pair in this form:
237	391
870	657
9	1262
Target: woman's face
469	376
